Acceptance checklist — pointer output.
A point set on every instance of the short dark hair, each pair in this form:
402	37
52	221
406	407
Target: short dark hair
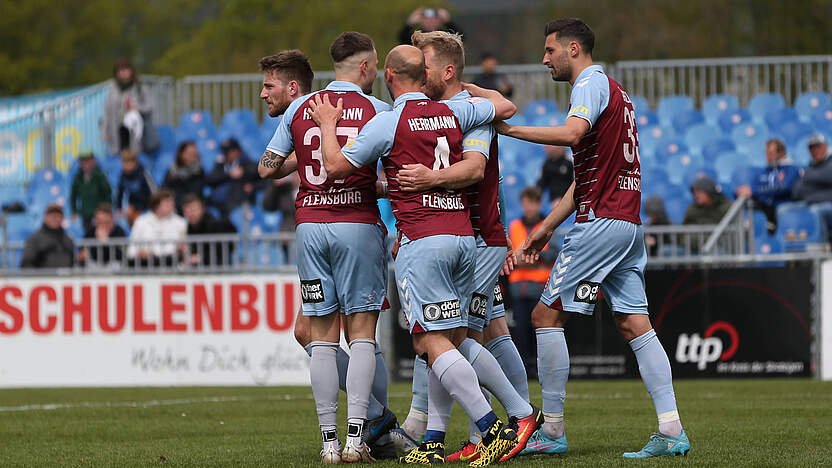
104	207
532	193
191	198
778	143
348	44
572	28
158	197
290	65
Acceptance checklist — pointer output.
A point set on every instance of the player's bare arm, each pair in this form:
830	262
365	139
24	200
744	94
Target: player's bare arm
503	108
326	116
270	164
469	171
540	236
568	134
286	168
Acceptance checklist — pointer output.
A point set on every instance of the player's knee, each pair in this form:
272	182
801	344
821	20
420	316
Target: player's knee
302	336
631	326
545	317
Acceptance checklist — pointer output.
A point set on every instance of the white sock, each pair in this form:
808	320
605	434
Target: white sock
553	424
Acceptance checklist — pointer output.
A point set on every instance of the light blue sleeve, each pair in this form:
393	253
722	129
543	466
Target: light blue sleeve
281	142
590	96
479	139
472	112
379	105
374	141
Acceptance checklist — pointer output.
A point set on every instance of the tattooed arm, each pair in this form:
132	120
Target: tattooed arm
287	167
270	164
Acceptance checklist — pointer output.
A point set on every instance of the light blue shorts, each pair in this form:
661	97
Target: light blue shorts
489	263
435	278
341	267
602	256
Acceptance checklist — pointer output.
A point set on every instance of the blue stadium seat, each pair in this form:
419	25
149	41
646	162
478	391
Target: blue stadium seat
239	119
750	138
793	132
649	138
798	227
676	208
209	151
196	119
686	119
670	146
518	119
264	253
40	196
640	104
731	119
652	176
10	193
693	174
744	175
760	224
682	165
713	148
167	137
20	226
646	118
539	108
763	103
47	177
768	245
726	165
717	105
272	220
669	106
552	119
822	119
699	135
779	117
74	228
808	103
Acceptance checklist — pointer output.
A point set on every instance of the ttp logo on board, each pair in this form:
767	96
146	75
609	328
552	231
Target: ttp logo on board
708	348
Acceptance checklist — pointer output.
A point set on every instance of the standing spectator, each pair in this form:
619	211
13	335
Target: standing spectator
90	188
815	184
103	230
656	216
427	19
232	178
709	204
135	185
128	110
202	223
186	176
557	173
490	79
50	246
157	236
774	184
526	282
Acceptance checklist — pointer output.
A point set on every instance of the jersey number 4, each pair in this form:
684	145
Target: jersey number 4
317	154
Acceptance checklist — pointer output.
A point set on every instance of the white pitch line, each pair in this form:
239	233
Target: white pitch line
148	403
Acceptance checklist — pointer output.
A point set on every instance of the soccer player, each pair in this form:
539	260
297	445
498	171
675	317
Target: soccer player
435	261
341	257
604	250
444	61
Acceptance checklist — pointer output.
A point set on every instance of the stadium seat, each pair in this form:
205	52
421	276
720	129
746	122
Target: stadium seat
196	119
693	174
743	175
670	146
646	118
518	119
717	105
552	119
10	193
762	104
670	106
676	208
798	227
713	148
809	103
793	132
43	177
750	138
74	228
731	119
767	245
779	117
20	226
649	138
699	135
760	224
209	151
640	104
727	163
40	196
167	137
682	165
272	220
686	119
539	108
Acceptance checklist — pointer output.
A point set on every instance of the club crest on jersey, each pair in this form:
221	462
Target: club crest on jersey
478	305
587	292
441	310
311	291
498	295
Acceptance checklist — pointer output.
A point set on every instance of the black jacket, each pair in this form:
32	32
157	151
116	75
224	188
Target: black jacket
556	177
48	248
222	255
106	254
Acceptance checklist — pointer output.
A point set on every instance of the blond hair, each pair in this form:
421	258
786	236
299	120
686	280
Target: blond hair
447	47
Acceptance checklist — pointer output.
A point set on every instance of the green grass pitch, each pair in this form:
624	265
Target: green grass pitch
730	423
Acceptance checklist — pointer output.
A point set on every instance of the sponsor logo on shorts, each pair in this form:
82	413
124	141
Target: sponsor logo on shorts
441	310
478	305
311	291
587	291
498	295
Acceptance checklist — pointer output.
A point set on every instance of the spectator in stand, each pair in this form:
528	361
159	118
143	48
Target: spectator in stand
135	187
103	230
526	282
280	196
815	184
774	184
557	173
128	110
50	246
232	178
206	253
709	203
89	189
490	79
186	176
158	235
656	216
427	19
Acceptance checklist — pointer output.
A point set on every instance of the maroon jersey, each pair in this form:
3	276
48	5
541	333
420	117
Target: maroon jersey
427	133
321	199
484	202
607	168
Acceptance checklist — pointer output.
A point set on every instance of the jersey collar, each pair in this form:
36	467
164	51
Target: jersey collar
343	86
588	71
414	96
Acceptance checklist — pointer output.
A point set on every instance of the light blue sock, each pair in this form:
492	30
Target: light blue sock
553	372
420	385
342	360
474	435
505	352
491	377
380	379
654	367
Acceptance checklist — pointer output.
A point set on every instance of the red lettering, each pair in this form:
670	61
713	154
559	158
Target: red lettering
243	314
15	314
104	307
34	309
271	308
83	308
139	324
170	307
204	307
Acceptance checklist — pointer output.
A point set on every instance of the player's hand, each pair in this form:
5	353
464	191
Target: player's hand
534	244
394	250
744	190
417	178
323	112
473	89
511	259
501	127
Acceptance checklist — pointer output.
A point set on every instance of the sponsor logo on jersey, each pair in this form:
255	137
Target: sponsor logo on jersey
478	306
587	292
311	291
443	201
345	196
628	182
498	295
441	310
